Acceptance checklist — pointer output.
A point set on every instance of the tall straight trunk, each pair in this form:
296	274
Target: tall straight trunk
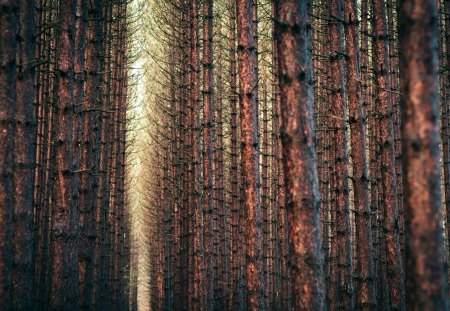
365	269
394	77
90	155
247	60
40	84
425	261
64	229
117	201
185	50
275	176
113	158
199	259
302	192
340	167
185	156
234	180
123	204
8	67
447	112
184	87
318	41
24	160
444	113
79	67
267	267
102	202
172	192
282	227
44	193
383	101
209	209
223	242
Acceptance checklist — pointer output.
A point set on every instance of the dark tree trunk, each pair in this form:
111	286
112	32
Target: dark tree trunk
446	126
426	276
24	160
302	193
64	228
90	155
8	67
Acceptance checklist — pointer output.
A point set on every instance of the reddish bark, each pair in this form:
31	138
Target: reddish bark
365	268
64	228
222	296
209	210
277	191
426	276
383	101
234	180
266	247
90	155
302	193
247	59
343	273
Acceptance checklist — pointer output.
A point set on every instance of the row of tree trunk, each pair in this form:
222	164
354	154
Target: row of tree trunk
65	241
296	159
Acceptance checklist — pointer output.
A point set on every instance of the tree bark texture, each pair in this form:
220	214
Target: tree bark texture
384	110
426	277
297	132
247	60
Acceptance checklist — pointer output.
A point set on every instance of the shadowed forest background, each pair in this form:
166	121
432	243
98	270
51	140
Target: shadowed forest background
224	154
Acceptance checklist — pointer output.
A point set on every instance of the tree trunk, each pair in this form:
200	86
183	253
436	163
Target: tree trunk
209	210
386	143
302	193
340	167
90	155
64	229
247	59
234	180
24	160
425	261
8	67
365	269
446	125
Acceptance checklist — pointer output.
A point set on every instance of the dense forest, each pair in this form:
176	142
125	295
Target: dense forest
224	154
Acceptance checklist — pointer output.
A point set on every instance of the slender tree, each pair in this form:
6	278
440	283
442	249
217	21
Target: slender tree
247	60
234	174
24	159
383	103
208	137
8	69
338	134
357	120
90	154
